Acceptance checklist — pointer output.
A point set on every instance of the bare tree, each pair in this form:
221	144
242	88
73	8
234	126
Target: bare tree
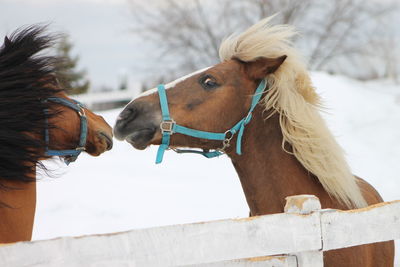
345	27
186	33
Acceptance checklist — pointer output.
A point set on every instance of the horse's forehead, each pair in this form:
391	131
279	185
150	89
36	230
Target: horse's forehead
186	77
172	84
224	68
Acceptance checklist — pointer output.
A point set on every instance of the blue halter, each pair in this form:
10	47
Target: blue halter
168	127
70	155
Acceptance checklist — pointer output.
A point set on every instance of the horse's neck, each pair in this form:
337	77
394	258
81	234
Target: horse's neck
17	210
267	173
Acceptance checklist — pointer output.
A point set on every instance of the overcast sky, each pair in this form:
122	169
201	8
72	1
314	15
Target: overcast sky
99	30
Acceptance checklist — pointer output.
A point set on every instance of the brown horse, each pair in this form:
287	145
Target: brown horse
286	149
38	120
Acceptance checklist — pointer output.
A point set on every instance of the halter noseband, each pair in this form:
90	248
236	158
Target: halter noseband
70	154
168	127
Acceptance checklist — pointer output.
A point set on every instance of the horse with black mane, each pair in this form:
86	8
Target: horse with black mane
260	109
38	121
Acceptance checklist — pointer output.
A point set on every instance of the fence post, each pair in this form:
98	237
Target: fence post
305	204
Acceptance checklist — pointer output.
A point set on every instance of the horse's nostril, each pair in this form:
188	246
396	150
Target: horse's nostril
108	140
128	114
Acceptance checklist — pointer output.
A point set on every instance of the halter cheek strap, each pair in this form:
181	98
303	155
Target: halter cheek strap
70	154
168	127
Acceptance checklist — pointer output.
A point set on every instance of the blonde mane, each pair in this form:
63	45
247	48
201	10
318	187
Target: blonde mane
291	94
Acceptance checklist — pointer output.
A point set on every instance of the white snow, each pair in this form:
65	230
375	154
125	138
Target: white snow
123	189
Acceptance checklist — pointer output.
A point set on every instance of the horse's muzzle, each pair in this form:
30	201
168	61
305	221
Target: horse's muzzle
137	124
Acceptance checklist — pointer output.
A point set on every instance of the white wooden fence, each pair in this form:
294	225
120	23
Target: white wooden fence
299	235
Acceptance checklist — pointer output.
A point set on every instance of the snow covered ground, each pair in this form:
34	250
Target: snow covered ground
123	189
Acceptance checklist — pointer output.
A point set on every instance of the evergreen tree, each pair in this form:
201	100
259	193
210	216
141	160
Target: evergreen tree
71	79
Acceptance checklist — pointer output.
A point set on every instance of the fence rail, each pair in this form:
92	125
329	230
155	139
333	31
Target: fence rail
299	235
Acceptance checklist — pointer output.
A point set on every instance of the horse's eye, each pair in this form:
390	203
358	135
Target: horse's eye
208	82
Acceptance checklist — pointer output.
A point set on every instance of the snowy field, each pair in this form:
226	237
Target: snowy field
123	189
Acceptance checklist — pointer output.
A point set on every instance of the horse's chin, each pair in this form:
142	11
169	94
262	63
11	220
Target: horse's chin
100	144
138	146
141	139
96	150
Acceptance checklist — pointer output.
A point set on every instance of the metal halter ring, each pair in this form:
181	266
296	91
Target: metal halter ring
229	138
167	126
226	142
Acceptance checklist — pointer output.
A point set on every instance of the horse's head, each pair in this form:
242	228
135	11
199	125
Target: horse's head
76	127
211	100
38	120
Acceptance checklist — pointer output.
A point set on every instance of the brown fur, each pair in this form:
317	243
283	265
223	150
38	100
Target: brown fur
267	172
267	178
16	221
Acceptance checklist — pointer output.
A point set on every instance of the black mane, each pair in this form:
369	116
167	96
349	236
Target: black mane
26	78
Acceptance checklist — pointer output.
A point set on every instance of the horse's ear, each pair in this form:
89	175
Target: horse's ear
7	41
263	66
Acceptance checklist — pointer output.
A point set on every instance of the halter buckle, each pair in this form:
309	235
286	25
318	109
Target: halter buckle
81	111
80	148
167	127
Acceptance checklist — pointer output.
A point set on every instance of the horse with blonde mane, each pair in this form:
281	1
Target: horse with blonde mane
38	121
259	107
